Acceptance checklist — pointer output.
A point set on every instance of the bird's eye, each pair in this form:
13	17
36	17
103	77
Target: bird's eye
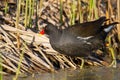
45	27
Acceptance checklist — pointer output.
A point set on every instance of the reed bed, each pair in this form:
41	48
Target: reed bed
22	49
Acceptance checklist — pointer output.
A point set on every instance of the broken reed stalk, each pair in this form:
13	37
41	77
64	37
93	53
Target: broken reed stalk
47	60
36	60
38	54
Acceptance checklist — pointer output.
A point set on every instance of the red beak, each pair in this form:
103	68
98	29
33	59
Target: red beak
42	32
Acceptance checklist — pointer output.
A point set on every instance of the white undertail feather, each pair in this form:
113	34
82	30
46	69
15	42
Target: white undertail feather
108	28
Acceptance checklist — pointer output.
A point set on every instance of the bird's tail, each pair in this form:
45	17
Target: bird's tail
109	27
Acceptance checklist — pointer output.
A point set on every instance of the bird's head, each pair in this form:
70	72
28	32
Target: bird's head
49	29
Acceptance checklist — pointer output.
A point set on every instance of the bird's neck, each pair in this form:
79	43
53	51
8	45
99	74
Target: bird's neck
55	36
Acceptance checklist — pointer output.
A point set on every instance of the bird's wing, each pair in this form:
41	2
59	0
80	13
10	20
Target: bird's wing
87	29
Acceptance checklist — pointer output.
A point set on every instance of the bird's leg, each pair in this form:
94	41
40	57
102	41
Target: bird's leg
82	62
110	48
114	62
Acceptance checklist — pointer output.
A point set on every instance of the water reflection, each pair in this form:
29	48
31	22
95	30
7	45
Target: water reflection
84	74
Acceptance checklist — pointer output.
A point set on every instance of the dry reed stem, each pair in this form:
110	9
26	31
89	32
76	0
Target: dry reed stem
39	55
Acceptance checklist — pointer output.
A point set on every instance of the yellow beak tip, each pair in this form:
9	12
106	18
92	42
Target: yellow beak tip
40	34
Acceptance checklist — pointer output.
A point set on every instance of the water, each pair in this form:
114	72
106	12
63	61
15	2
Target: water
84	74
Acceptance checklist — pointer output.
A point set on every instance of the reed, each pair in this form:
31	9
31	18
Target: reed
73	12
33	4
80	12
40	7
61	11
19	64
1	70
18	34
92	10
30	13
37	49
17	22
118	18
26	13
111	48
6	7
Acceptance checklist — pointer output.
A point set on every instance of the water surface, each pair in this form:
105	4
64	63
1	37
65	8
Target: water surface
84	74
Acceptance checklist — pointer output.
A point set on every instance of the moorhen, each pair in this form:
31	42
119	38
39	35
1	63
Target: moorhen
80	39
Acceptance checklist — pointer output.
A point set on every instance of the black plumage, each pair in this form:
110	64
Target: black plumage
79	39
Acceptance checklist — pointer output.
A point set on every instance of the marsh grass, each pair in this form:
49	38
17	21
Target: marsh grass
40	7
1	70
77	11
30	13
26	13
61	11
80	14
93	11
6	7
18	37
17	22
73	13
19	64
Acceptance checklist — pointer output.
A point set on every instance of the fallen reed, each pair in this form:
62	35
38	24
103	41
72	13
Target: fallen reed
38	54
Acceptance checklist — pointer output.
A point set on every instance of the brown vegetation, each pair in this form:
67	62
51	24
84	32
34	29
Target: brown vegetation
23	43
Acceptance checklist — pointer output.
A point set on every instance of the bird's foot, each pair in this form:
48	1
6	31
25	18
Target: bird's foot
113	64
82	62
